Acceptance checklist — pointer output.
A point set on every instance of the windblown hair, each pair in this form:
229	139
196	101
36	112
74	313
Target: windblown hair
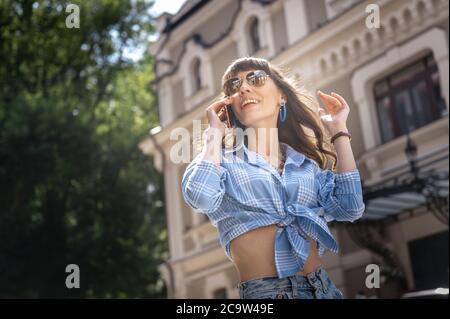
301	114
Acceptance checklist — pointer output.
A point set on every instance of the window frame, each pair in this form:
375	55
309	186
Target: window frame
408	84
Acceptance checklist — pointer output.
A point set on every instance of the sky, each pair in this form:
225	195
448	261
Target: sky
170	6
160	6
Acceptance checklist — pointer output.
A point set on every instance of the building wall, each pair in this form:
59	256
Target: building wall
342	56
222	59
317	14
215	25
279	29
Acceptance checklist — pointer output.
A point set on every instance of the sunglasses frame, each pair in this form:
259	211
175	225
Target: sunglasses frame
265	76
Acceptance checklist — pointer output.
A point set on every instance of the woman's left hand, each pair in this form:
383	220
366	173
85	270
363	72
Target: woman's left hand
338	110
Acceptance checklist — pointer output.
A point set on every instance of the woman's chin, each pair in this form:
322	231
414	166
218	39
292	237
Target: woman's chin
249	121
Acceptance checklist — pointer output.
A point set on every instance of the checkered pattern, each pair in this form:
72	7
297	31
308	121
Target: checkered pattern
246	192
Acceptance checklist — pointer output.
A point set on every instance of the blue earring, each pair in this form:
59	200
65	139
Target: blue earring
283	111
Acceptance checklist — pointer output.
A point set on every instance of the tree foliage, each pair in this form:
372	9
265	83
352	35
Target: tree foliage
74	186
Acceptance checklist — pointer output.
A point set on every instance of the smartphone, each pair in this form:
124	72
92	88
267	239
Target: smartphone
226	110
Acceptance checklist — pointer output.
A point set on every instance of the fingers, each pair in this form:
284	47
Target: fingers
340	98
216	106
328	99
217	112
333	103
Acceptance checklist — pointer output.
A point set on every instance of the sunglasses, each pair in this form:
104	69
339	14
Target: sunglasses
255	78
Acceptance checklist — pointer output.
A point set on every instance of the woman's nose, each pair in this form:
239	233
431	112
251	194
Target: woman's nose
244	88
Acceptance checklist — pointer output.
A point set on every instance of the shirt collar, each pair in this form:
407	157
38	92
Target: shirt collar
293	157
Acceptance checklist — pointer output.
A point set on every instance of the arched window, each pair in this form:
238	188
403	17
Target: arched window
255	44
196	75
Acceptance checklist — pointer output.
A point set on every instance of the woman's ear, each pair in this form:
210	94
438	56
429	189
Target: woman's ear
283	97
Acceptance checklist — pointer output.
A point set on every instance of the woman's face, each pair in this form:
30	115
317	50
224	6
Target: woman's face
257	106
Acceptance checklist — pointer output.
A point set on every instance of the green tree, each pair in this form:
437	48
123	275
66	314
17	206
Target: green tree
74	186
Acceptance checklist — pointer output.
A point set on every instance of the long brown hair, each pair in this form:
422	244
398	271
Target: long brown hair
300	114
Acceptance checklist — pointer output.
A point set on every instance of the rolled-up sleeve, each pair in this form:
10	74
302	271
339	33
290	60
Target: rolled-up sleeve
340	194
203	185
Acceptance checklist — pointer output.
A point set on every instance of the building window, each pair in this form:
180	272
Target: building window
220	293
409	98
429	265
196	73
254	36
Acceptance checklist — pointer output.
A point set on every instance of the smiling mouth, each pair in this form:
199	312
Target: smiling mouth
249	103
247	106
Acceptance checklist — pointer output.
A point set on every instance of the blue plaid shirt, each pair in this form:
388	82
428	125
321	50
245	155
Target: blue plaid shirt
246	192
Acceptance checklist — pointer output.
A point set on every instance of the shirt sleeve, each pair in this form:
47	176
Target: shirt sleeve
340	194
203	185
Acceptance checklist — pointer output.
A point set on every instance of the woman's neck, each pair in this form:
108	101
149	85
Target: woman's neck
265	142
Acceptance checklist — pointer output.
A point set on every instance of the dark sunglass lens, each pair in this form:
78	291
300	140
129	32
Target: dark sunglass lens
232	86
259	78
251	78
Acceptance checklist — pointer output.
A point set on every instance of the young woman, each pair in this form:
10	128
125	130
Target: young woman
271	198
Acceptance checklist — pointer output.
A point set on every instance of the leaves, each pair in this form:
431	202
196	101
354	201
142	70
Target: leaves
73	182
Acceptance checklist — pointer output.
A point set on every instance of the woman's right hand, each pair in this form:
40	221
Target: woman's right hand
216	121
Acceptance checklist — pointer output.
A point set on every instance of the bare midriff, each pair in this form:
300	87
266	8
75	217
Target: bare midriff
254	256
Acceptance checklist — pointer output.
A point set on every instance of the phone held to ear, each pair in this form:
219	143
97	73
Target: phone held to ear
227	115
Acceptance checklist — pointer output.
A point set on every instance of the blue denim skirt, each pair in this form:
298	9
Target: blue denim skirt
315	285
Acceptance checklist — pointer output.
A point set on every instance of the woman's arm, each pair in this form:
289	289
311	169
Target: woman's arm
335	121
340	193
213	143
203	182
345	159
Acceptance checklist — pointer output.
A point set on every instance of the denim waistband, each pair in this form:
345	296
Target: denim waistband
314	280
